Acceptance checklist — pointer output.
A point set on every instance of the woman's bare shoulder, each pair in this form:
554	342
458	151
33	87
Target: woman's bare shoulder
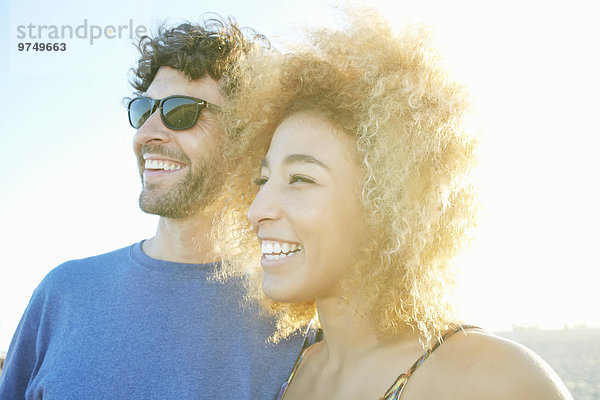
489	366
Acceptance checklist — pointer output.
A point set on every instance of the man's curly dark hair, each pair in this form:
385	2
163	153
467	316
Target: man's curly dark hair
207	48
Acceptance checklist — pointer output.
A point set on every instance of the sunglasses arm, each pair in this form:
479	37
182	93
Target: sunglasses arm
212	107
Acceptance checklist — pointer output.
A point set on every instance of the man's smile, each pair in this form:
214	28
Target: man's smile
165	165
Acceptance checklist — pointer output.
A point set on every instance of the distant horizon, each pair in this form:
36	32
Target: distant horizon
566	327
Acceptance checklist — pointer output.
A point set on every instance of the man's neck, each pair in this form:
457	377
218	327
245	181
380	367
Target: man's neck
182	240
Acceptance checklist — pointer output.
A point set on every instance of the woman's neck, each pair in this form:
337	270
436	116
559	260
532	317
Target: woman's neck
348	337
351	362
345	334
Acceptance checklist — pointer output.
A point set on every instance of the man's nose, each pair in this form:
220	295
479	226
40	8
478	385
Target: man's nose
153	131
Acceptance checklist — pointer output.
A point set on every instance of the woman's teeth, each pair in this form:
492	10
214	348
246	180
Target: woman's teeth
278	250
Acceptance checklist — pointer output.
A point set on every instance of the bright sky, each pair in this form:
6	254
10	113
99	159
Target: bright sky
70	184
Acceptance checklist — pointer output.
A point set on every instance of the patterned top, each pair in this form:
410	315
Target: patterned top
395	391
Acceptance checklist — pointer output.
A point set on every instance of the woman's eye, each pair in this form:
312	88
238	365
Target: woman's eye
260	181
300	178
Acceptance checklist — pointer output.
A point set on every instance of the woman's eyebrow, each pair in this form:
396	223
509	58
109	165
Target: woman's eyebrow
303	158
296	158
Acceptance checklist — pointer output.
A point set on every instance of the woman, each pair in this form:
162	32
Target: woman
364	201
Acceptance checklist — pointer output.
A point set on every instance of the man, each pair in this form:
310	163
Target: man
146	321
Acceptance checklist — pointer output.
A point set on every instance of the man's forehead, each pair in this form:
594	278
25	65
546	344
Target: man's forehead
169	81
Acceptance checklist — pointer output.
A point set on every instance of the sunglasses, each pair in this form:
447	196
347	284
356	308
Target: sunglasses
176	112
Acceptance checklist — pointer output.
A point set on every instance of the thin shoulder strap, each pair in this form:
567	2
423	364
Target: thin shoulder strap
312	336
395	391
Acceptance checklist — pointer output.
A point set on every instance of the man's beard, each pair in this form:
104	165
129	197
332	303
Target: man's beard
188	197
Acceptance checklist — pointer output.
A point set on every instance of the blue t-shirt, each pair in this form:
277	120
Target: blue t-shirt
125	326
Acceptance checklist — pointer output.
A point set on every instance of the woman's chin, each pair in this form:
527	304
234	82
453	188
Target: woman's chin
280	292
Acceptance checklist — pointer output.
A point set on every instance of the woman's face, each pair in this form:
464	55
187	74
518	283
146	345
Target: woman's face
308	213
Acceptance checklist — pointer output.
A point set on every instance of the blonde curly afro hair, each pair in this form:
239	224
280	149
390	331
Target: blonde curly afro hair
390	92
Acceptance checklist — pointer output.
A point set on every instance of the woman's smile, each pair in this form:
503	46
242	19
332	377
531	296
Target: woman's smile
278	253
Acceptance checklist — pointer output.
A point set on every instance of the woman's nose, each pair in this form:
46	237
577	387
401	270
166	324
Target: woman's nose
265	206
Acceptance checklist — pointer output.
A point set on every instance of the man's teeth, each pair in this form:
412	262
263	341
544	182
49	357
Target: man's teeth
164	165
275	250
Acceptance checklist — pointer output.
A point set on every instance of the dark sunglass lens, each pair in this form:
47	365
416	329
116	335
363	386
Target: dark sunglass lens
180	113
139	111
